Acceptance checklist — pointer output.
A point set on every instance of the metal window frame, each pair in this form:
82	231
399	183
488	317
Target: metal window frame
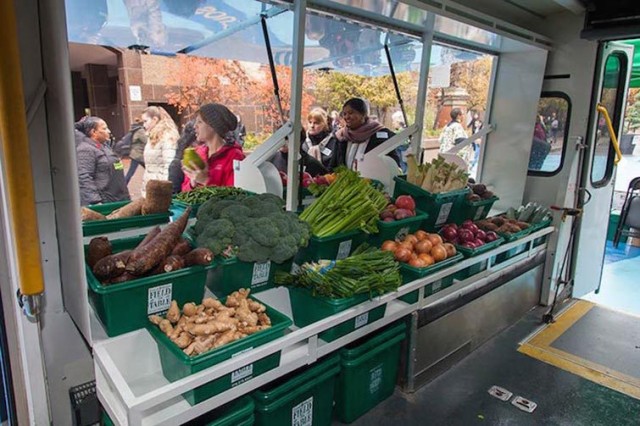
564	96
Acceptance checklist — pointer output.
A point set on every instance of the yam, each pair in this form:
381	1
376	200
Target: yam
131	209
111	266
157	197
99	247
88	215
150	236
183	247
200	256
145	258
122	278
169	264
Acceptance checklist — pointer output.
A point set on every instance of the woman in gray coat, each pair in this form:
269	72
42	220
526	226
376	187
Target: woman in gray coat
100	171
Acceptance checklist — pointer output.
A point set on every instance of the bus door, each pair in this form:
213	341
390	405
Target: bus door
596	190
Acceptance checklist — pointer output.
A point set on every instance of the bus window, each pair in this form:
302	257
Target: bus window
550	134
610	96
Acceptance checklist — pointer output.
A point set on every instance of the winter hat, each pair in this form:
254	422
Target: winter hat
220	118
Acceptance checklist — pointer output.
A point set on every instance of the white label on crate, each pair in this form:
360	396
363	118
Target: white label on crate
241	352
375	379
343	250
443	215
159	298
436	286
479	212
403	232
260	273
241	375
362	319
302	414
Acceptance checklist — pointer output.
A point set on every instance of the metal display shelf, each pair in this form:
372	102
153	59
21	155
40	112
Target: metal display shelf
133	390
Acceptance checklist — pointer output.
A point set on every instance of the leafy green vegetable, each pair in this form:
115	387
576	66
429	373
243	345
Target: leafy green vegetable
368	270
348	204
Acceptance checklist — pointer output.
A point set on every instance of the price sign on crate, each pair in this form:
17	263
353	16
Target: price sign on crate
302	414
361	320
375	379
344	249
443	215
260	273
159	298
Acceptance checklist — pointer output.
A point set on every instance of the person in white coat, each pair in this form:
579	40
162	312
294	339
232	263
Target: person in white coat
161	147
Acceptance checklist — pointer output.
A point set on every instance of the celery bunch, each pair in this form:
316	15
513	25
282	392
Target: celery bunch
348	204
437	176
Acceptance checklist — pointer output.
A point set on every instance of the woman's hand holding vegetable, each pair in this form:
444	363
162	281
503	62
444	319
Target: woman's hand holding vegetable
196	174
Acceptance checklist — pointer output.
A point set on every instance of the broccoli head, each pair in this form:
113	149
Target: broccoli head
284	250
210	210
216	236
251	251
236	213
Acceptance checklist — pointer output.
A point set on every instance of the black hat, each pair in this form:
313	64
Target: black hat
219	117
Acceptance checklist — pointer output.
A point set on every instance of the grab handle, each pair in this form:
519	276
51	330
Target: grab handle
614	140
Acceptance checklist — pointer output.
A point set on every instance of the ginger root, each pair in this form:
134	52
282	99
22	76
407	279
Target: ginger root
155	319
166	327
189	309
209	328
173	314
183	340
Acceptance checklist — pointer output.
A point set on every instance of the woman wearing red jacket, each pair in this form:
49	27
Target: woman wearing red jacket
214	125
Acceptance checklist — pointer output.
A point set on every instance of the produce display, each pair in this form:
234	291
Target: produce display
437	176
403	208
478	192
467	235
157	200
205	193
532	213
254	228
420	249
350	203
367	270
197	329
159	252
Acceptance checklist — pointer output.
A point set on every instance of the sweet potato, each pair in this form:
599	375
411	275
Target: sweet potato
150	236
199	256
99	247
144	258
157	197
111	266
183	247
88	215
134	208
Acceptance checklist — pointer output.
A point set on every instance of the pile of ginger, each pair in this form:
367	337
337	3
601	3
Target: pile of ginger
200	328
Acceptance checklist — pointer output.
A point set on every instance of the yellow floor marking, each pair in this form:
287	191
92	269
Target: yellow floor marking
539	347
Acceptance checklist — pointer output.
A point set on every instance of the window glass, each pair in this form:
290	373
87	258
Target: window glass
550	134
612	85
459	82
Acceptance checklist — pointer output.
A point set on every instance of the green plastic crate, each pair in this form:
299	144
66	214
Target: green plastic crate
308	309
369	370
232	274
178	207
303	397
334	247
238	412
398	229
536	227
474	210
125	307
177	365
477	267
439	207
409	274
100	227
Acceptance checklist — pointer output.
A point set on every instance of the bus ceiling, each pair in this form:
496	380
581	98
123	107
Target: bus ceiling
339	36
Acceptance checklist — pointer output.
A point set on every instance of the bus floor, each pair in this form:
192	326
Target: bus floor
619	287
460	395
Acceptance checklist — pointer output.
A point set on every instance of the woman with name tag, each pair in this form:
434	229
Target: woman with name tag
360	135
319	141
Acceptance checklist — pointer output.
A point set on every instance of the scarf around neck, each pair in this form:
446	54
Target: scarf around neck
361	134
316	144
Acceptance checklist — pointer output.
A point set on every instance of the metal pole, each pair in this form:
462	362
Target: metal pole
299	15
272	67
395	84
427	43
